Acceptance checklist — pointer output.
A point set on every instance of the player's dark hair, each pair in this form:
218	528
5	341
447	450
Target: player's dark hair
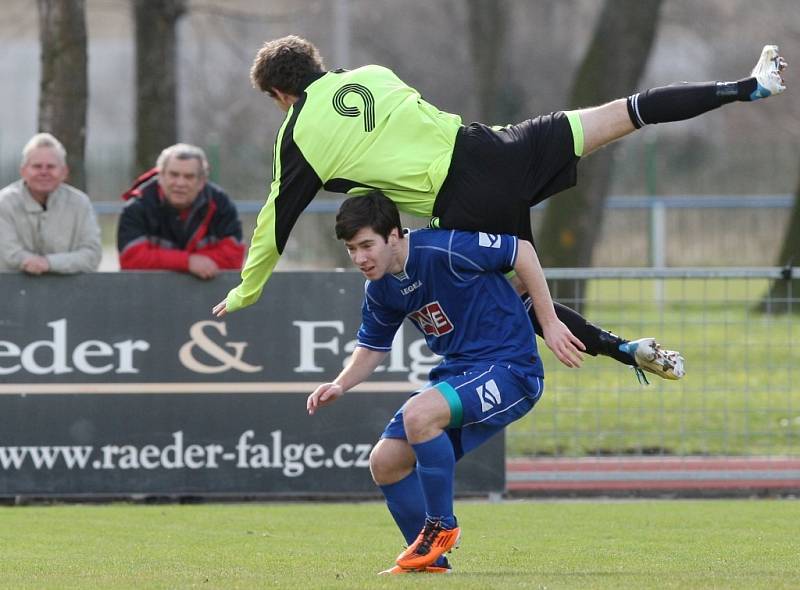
285	64
374	210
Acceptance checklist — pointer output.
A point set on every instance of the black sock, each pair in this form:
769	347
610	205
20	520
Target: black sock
684	101
596	340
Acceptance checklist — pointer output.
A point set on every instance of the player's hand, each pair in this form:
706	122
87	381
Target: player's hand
202	267
564	344
323	395
35	265
220	309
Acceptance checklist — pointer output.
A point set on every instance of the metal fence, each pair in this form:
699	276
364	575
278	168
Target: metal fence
741	393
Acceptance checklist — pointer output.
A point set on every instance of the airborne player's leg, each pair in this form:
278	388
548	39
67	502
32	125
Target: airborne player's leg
598	126
609	122
604	124
645	353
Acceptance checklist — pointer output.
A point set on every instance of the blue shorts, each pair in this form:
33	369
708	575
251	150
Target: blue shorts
482	402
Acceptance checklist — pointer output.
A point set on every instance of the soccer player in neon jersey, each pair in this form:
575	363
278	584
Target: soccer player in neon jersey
364	129
450	285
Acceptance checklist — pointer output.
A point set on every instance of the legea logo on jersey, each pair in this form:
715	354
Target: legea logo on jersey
489	395
411	288
489	240
432	320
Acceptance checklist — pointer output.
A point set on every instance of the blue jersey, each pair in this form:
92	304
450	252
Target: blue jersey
452	289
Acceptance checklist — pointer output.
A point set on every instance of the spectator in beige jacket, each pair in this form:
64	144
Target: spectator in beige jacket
47	225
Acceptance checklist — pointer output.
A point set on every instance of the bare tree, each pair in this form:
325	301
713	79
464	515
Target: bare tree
614	61
780	295
488	28
156	97
64	83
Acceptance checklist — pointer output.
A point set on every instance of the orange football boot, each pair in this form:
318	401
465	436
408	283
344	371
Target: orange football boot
445	568
431	543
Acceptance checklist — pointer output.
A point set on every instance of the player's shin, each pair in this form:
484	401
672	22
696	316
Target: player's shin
436	470
406	504
596	340
436	463
685	101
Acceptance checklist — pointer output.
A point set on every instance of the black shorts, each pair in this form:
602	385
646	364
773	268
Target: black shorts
497	175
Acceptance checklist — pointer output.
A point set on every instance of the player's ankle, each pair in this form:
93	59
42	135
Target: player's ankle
447	522
741	90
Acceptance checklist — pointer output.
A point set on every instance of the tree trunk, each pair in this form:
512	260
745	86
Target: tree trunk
63	87
156	97
780	295
488	25
611	68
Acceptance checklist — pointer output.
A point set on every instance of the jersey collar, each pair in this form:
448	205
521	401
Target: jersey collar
403	274
310	79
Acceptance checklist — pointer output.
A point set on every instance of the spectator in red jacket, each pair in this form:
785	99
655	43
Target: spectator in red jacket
176	219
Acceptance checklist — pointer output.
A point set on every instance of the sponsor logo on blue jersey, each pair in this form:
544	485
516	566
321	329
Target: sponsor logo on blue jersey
489	395
432	320
489	240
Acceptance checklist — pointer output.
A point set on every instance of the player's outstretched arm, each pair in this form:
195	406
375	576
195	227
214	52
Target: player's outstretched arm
564	344
361	365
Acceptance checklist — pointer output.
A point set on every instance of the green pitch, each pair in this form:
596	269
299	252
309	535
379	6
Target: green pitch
638	544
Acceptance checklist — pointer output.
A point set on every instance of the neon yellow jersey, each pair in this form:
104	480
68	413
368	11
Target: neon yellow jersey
350	132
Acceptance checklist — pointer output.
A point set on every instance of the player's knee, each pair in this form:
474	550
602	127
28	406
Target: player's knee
425	415
389	463
415	420
380	469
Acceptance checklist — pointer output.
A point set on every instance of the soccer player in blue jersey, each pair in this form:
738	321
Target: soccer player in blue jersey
450	285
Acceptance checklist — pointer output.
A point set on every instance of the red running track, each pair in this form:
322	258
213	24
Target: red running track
597	474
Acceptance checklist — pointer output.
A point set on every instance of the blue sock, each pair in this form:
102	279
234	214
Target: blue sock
436	465
406	505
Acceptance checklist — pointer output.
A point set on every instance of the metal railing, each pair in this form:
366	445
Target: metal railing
679	230
331	205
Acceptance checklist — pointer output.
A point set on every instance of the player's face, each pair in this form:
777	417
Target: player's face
282	100
43	171
281	104
373	256
182	181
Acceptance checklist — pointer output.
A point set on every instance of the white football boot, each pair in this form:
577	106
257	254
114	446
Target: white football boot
768	73
652	358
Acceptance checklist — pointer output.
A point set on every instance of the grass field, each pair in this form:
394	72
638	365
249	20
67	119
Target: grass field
741	395
744	544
